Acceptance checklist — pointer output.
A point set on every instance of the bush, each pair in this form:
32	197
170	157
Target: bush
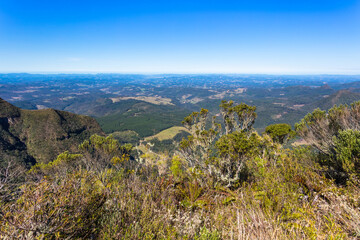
280	132
347	148
70	208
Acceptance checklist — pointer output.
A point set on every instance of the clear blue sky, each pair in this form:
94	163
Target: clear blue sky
187	36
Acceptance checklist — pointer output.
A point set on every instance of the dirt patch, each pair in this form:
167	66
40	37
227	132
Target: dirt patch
154	100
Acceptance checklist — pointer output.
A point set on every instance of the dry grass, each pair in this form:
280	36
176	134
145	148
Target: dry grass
154	100
169	133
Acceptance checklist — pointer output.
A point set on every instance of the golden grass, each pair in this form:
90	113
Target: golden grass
167	133
154	100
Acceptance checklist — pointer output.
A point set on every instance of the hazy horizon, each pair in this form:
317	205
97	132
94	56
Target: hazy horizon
184	73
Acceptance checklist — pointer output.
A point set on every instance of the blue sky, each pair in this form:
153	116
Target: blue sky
253	36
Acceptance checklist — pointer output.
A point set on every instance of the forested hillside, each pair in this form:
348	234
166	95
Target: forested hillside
31	136
224	180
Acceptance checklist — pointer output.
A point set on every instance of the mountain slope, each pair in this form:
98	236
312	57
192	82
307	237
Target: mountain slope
40	135
338	98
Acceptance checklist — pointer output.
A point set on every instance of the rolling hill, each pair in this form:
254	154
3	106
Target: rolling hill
33	136
338	98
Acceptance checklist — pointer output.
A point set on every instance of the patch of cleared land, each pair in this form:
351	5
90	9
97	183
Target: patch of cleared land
187	99
154	100
17	98
186	96
67	98
218	96
240	90
26	91
277	116
281	104
297	106
39	107
169	133
195	100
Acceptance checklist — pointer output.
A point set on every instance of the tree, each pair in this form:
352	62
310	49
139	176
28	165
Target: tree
319	127
234	150
102	152
98	155
200	149
280	132
347	148
197	148
335	134
239	117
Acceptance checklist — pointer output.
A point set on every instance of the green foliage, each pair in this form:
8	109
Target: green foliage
206	234
144	118
237	185
197	149
280	132
347	147
41	135
63	164
107	145
128	136
104	149
238	145
319	127
190	192
334	134
239	117
234	150
176	167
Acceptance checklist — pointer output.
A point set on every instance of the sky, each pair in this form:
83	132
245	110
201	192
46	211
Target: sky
187	36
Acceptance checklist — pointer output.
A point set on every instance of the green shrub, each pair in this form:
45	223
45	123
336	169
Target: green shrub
347	148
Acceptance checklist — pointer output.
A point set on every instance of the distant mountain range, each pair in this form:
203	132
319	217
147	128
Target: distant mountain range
31	136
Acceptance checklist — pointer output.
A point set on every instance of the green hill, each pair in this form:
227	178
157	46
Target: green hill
144	118
40	135
340	97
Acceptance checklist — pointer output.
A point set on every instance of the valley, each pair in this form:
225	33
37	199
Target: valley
148	104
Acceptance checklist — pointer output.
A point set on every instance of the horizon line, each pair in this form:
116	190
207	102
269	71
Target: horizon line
181	73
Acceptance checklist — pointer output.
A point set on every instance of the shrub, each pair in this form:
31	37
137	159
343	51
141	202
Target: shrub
280	132
70	208
347	148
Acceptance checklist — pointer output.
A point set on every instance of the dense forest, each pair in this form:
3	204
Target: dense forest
224	180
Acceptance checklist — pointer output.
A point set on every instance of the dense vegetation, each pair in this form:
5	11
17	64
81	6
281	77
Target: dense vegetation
225	181
144	118
40	135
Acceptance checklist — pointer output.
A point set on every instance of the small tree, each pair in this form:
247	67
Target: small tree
319	127
280	132
198	149
347	148
239	117
102	152
99	155
234	151
335	134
